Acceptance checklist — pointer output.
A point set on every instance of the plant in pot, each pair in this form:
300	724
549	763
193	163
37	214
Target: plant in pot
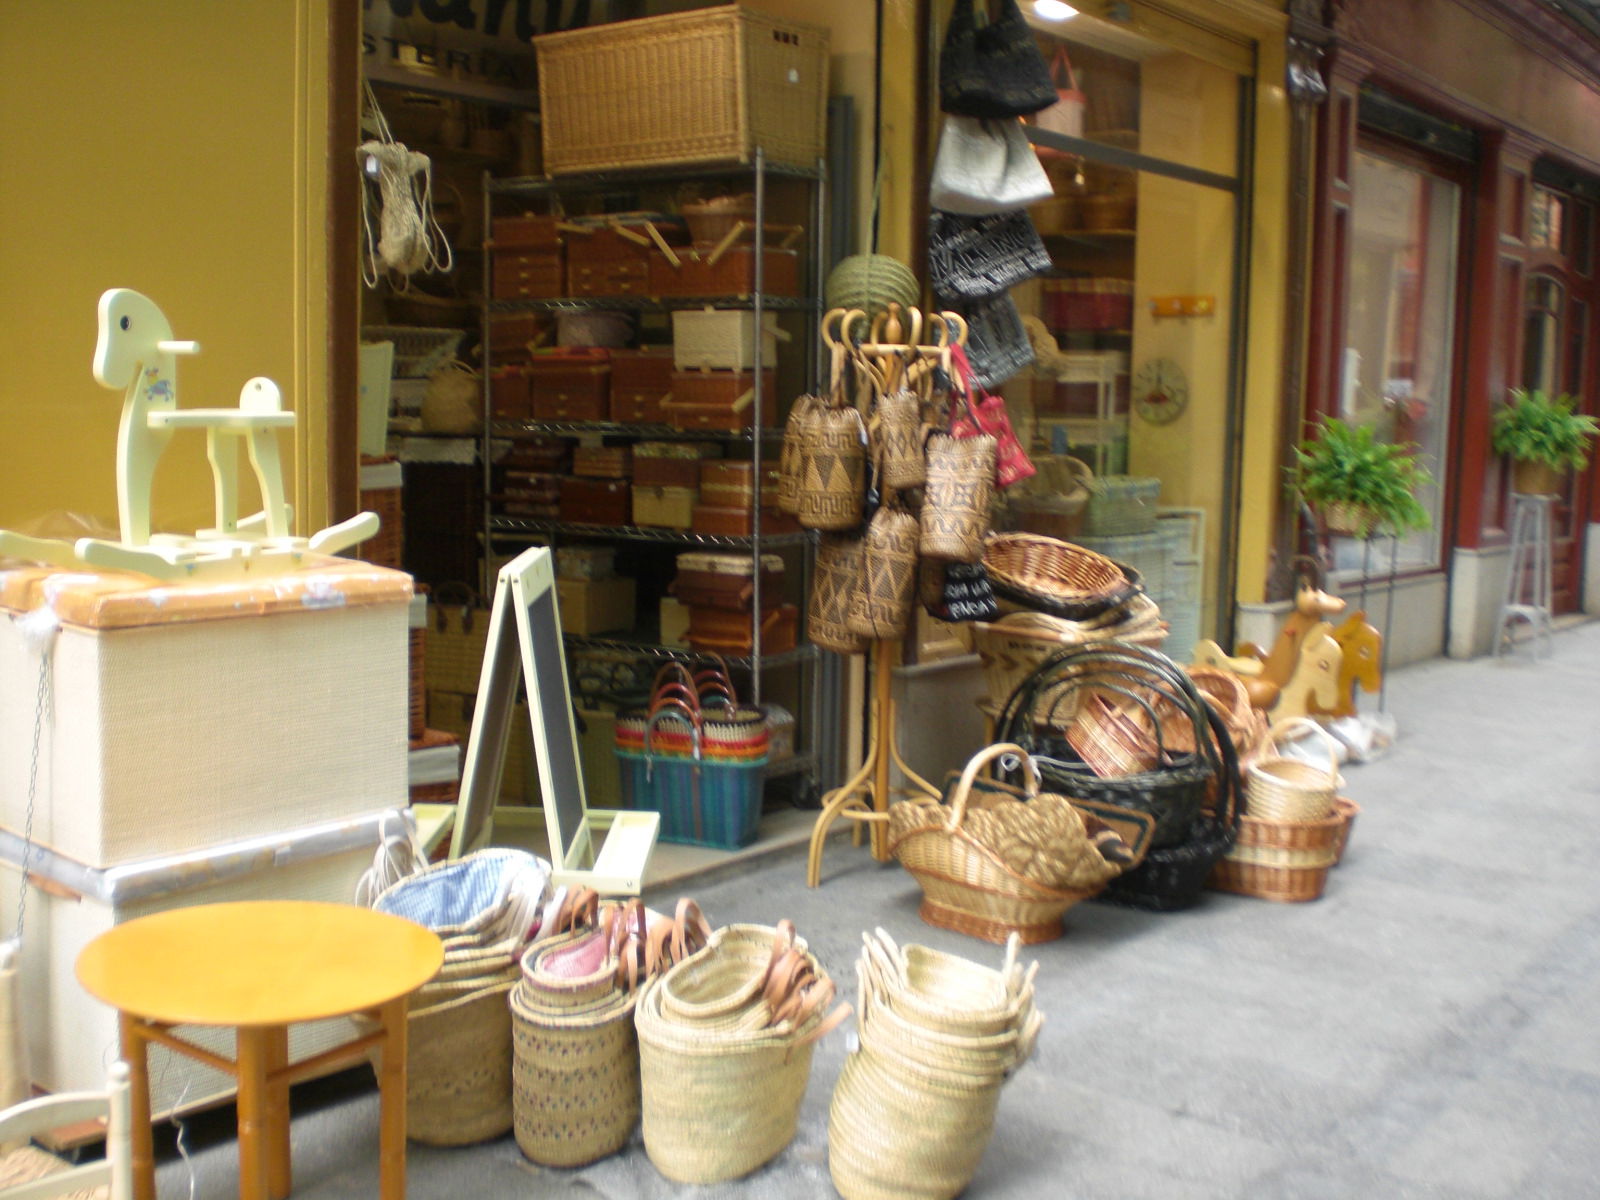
1544	437
1360	485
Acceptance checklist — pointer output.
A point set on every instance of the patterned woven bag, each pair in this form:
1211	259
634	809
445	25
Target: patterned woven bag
881	605
791	457
898	429
833	468
834	579
973	257
956	498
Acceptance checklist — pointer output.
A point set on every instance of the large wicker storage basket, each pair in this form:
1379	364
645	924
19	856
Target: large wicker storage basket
712	85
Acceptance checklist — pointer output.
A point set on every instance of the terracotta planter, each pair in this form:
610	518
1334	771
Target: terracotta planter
1535	478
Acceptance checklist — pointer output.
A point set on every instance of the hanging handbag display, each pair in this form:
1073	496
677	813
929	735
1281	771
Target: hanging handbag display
1065	116
835	576
997	343
978	256
986	166
960	592
988	415
993	69
881	605
833	466
791	456
957	495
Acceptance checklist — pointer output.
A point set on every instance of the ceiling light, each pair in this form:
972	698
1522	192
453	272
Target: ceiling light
1053	10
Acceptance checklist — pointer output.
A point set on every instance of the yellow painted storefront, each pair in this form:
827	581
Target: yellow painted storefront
180	148
177	148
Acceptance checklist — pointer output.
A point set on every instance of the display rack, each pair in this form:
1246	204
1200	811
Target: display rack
501	530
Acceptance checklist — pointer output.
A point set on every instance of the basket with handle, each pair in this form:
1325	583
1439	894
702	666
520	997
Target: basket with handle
1281	788
1006	868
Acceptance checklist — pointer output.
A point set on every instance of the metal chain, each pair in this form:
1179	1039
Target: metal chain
33	779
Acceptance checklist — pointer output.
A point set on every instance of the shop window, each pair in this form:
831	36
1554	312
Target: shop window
1397	373
1546	221
1541	335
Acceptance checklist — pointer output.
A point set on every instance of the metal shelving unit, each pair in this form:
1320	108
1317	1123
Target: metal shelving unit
499	528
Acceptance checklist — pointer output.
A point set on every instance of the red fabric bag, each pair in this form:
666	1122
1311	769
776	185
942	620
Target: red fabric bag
987	415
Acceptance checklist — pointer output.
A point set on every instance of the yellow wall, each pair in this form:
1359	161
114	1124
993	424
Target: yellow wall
175	147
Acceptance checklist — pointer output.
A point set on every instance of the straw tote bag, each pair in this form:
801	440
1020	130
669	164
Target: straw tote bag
1065	116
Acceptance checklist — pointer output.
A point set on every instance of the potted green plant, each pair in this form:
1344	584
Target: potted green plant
1360	485
1544	436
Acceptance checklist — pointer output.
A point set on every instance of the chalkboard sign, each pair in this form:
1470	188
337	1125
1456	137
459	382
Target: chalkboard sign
524	642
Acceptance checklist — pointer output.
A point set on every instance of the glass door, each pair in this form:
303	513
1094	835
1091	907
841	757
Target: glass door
1397	375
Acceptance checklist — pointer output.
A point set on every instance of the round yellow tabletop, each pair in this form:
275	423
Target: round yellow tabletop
261	962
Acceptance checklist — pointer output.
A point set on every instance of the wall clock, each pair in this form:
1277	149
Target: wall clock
1160	391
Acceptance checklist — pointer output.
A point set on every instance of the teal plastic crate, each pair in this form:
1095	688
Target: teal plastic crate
703	802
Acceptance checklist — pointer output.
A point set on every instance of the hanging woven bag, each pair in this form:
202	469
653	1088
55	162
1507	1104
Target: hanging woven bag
791	457
956	497
881	605
898	429
834	579
833	467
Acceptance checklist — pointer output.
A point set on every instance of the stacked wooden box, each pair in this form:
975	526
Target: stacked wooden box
592	598
719	591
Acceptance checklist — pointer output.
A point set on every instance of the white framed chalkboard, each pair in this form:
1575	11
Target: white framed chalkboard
524	643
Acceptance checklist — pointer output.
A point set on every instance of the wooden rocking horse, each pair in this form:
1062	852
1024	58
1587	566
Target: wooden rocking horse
1360	662
136	351
1265	678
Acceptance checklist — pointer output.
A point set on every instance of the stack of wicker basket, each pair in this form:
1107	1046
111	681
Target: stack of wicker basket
1295	823
725	1040
914	1107
485	907
575	1076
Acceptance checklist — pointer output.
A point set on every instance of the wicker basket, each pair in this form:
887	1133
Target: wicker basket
1053	576
971	883
458	1066
1287	789
713	85
1287	876
1015	645
713	219
1347	810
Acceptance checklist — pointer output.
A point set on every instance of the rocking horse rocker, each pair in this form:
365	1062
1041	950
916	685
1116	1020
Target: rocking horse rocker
136	351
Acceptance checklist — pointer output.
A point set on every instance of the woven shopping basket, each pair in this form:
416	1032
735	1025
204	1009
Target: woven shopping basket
991	870
1282	788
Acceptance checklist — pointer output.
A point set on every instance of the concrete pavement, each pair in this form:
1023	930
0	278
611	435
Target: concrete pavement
1429	1029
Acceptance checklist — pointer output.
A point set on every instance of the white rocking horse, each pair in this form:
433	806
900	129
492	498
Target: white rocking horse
136	351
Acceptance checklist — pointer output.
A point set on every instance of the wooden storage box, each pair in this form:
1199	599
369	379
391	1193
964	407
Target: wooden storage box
721	400
590	606
736	78
585	562
726	632
534	234
603	462
510	398
723	340
640	380
611	279
670	464
728	483
664	507
595	501
731	274
611	256
158	743
512	334
707	580
570	387
544	455
733	520
516	273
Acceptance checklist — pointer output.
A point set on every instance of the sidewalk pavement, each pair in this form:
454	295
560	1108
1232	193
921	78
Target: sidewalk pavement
1428	1029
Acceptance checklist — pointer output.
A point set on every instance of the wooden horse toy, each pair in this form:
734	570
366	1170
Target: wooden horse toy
1315	679
136	351
1360	662
1265	678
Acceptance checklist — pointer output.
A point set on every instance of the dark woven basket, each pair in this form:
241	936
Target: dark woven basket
1173	792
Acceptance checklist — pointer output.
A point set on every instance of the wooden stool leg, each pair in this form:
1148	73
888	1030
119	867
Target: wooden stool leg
143	1151
279	1172
252	1057
392	1102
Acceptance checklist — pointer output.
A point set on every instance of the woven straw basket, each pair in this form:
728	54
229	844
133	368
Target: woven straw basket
968	881
458	1068
1287	789
1287	861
